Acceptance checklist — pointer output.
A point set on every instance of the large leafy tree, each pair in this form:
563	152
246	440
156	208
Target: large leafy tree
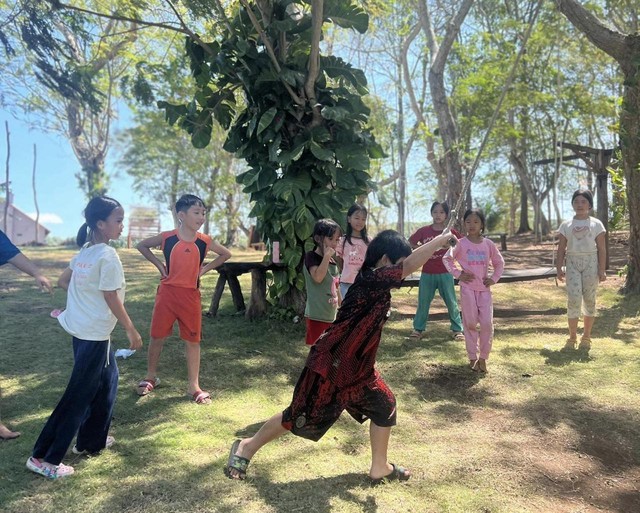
296	116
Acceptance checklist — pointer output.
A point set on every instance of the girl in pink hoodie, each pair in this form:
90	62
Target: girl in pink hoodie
470	261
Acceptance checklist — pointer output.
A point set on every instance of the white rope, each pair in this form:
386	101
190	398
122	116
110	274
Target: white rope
496	112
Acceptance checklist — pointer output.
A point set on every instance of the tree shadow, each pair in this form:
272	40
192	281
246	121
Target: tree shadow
560	358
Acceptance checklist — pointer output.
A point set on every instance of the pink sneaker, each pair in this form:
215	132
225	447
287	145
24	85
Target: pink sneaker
49	471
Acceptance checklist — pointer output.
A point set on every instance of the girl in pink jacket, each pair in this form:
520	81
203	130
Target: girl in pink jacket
470	261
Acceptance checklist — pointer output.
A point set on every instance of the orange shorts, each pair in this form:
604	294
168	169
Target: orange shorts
177	304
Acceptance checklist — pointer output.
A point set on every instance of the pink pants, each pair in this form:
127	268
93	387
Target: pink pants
477	307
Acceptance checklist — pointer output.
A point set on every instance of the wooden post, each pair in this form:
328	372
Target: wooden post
258	301
217	294
602	185
236	292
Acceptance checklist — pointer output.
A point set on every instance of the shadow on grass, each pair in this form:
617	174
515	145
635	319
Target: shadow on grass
560	358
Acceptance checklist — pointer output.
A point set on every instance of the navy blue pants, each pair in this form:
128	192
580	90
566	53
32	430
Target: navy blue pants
86	407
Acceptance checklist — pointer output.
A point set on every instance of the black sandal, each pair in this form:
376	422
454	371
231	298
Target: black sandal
397	474
237	463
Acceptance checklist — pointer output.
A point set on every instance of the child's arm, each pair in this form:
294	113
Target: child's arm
420	256
562	251
27	266
318	272
223	255
144	246
65	279
497	261
602	256
116	306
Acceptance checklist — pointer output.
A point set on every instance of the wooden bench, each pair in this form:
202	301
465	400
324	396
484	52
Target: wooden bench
495	237
508	276
229	272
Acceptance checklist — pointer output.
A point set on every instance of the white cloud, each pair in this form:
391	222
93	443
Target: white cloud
47	218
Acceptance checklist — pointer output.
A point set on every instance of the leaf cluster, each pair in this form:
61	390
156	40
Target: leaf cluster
308	149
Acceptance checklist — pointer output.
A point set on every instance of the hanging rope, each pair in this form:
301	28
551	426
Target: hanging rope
496	112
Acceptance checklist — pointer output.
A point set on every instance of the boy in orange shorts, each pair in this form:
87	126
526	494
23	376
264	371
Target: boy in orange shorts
178	296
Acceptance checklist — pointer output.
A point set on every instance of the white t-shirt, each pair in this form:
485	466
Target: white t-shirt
352	257
96	268
581	235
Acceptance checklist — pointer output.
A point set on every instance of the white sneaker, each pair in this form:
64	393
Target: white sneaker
49	471
109	443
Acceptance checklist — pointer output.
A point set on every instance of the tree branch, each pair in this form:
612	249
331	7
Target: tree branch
609	41
317	18
270	52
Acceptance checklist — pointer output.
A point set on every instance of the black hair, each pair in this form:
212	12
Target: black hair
356	207
387	242
443	204
324	228
477	212
98	209
586	194
188	200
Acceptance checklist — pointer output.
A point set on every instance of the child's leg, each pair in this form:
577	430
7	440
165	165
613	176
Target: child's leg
470	317
426	291
448	294
379	437
192	351
66	418
573	280
485	316
153	356
93	431
589	289
268	432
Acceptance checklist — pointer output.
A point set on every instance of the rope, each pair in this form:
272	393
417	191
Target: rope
467	183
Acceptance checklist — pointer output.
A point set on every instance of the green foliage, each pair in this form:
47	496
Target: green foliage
308	154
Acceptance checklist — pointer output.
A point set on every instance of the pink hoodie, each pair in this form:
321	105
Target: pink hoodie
474	258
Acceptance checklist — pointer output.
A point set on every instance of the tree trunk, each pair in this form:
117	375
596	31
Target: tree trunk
446	123
625	49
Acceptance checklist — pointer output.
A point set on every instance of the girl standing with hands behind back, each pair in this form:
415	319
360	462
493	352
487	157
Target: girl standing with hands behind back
474	254
582	241
352	247
321	278
95	288
434	276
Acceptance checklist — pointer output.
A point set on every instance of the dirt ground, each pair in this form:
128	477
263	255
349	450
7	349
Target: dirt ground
591	473
523	252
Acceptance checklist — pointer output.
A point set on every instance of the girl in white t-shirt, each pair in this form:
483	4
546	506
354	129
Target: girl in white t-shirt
582	242
95	288
352	247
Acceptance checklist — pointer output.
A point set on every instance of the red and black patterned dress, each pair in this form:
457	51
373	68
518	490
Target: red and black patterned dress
339	373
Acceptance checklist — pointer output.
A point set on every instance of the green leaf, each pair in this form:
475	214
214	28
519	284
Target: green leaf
346	15
201	131
319	152
335	67
353	156
172	111
266	119
336	113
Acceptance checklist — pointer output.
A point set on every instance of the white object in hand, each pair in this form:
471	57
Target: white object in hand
125	353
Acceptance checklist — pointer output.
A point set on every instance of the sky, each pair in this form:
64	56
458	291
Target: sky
60	199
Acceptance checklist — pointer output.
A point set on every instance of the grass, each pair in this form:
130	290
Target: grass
544	431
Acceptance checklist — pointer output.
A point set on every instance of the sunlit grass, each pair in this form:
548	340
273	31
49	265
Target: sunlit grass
543	431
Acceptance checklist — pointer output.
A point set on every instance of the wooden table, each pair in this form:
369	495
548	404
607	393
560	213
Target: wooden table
229	272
